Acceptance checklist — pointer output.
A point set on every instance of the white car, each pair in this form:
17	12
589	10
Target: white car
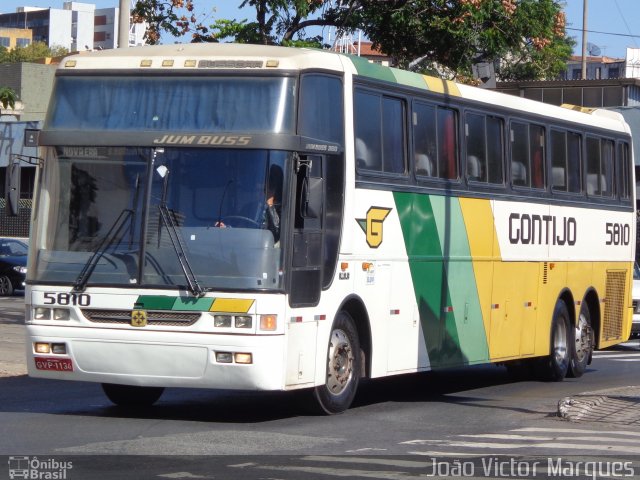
635	327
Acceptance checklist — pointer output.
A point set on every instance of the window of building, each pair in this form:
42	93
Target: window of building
380	132
435	141
527	155
485	148
5	42
23	42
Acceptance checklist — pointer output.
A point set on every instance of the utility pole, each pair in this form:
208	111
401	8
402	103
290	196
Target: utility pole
584	40
123	23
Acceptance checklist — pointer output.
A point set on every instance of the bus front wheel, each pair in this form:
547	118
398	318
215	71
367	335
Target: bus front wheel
583	343
132	396
554	366
343	367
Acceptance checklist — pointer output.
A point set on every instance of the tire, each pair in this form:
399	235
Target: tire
554	367
582	344
132	396
6	288
343	367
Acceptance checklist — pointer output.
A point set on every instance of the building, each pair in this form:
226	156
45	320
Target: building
598	68
11	38
105	33
621	92
32	83
73	27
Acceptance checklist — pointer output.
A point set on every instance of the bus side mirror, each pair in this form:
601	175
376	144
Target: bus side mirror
12	188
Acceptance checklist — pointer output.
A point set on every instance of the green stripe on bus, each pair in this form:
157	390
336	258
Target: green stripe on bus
155	302
368	69
409	78
461	278
193	304
443	278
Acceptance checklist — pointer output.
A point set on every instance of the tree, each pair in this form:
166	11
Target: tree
449	36
8	98
33	51
524	38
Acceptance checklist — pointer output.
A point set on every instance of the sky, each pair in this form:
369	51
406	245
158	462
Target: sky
612	25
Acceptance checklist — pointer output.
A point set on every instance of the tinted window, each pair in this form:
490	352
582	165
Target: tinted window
379	128
484	148
321	108
435	141
527	155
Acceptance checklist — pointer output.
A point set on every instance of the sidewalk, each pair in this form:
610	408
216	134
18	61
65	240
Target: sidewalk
615	405
12	350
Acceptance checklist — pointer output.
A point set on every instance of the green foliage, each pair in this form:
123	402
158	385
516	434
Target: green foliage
30	53
8	97
525	39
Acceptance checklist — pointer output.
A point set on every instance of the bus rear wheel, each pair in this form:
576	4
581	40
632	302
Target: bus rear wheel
582	345
343	367
554	367
132	396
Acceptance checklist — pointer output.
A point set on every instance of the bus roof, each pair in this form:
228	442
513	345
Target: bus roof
230	56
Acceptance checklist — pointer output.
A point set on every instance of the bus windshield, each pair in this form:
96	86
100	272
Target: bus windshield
172	103
136	216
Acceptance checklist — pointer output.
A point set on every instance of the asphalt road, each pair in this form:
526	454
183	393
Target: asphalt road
394	429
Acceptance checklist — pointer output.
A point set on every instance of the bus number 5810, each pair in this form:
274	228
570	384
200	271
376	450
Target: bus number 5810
618	233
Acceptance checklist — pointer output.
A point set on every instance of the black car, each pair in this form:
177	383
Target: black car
13	265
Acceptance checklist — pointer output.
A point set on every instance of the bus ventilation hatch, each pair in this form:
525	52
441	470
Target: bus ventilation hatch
614	304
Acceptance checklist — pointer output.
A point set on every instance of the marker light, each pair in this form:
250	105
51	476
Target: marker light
224	357
268	322
245	358
59	348
42	347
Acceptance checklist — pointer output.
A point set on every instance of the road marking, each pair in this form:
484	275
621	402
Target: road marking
503	436
544	444
576	430
616	355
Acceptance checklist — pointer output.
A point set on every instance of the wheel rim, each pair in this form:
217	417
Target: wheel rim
583	338
340	369
560	343
4	285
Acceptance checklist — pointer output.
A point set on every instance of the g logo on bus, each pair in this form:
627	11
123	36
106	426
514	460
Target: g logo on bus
138	318
372	225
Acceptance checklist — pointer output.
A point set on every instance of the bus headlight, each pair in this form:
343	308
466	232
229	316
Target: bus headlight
42	313
222	321
243	321
61	314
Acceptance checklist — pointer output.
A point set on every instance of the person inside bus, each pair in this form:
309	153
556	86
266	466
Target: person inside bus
273	202
270	208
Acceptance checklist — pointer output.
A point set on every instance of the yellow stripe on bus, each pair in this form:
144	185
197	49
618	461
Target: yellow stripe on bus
441	86
231	305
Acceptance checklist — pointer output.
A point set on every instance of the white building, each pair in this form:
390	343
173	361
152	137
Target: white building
76	27
106	29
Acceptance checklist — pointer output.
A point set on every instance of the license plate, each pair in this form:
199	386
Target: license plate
55	364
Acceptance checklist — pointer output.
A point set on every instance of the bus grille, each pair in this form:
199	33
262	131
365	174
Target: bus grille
154	317
614	304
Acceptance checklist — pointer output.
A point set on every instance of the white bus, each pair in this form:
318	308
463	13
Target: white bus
262	218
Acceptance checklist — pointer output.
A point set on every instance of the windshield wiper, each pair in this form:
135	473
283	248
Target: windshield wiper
178	247
114	232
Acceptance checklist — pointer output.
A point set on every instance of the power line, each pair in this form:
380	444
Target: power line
605	33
